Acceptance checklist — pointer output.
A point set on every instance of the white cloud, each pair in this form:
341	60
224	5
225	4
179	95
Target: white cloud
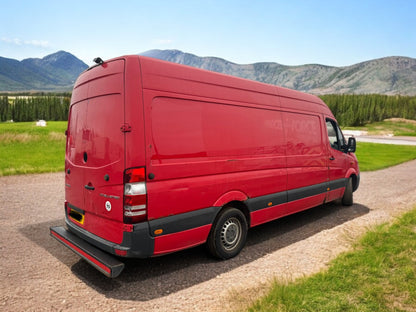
38	43
20	42
162	41
13	41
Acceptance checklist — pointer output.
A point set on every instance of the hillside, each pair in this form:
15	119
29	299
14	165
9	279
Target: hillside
390	75
55	72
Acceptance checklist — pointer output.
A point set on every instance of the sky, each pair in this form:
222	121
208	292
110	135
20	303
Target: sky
295	32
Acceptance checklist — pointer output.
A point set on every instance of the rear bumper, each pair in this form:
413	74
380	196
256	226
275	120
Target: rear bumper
102	261
99	252
135	244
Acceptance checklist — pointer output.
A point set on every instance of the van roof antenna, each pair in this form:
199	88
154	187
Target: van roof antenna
98	60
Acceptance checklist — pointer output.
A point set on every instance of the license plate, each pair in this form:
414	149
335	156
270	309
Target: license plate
76	216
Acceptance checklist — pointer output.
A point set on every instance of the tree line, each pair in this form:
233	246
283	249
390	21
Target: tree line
357	110
31	108
349	110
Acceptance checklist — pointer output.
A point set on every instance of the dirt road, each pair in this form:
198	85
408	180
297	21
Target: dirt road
39	274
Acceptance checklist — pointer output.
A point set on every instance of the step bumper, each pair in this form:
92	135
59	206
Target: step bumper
102	261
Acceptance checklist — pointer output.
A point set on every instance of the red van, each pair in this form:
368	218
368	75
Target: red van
161	157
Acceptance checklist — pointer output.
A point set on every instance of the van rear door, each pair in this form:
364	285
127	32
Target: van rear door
95	151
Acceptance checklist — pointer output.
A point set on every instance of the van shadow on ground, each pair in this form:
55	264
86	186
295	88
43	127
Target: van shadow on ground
146	279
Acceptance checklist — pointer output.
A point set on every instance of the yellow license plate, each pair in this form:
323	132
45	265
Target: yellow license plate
76	216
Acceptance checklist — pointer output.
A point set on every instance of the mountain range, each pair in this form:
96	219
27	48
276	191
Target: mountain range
389	75
55	72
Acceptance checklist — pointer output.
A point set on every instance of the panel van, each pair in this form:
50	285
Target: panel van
161	157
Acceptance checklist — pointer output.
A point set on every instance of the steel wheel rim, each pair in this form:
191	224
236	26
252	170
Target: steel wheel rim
231	233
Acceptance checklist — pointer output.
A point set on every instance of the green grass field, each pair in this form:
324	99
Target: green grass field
378	275
373	156
26	148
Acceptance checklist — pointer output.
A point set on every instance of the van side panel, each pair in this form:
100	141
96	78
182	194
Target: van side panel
307	170
209	134
215	148
305	149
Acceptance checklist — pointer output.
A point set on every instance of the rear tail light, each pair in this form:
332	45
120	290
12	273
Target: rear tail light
135	196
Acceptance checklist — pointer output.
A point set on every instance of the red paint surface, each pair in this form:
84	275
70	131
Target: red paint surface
207	139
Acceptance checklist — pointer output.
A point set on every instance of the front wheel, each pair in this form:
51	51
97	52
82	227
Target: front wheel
228	234
347	199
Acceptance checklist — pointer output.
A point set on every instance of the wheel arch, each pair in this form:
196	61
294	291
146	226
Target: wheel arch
355	179
240	206
230	196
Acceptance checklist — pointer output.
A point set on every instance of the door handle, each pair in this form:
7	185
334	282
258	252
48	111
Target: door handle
89	187
332	158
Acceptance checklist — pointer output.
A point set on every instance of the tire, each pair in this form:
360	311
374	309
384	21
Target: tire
347	199
228	234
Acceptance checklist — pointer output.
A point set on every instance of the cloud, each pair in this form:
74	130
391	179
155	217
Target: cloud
162	41
20	42
14	41
38	43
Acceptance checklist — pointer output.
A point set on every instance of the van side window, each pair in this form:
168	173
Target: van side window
336	139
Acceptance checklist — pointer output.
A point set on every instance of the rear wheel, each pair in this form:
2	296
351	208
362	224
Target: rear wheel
228	234
347	199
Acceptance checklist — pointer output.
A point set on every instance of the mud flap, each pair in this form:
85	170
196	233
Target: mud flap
102	261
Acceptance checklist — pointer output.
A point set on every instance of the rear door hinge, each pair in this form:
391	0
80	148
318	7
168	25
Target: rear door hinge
125	128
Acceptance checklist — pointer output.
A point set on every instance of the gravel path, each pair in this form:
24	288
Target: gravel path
39	274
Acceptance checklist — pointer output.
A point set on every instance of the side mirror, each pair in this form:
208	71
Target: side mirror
352	145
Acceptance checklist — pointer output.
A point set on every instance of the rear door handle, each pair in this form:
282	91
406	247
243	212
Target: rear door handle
89	187
332	158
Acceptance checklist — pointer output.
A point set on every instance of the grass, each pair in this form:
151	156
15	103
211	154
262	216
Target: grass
374	156
378	275
26	148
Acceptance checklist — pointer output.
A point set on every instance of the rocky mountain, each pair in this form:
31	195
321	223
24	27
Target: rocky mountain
389	75
55	72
